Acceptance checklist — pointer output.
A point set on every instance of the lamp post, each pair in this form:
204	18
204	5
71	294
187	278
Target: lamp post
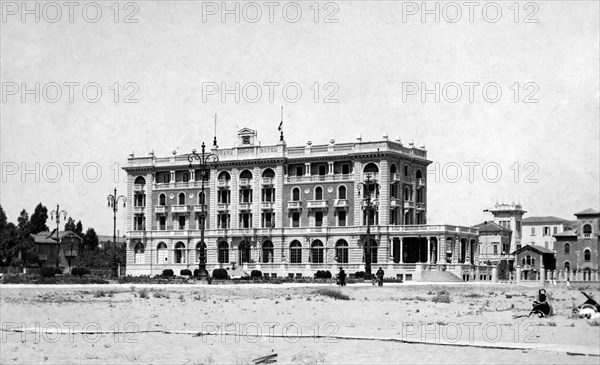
369	205
56	214
113	202
206	161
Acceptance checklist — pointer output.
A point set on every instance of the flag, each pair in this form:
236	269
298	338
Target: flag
280	126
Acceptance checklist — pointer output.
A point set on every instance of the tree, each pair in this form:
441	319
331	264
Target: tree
8	240
3	220
70	225
38	219
79	229
23	252
90	239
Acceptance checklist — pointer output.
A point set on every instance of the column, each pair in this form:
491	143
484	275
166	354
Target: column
455	247
429	250
518	278
494	274
401	251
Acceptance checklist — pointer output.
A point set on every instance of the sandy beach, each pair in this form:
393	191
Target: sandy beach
402	323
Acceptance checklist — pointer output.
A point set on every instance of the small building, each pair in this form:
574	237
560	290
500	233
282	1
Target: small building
577	249
66	255
539	231
530	259
494	247
509	216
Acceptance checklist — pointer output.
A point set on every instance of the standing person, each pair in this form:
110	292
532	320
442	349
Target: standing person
380	276
568	284
342	277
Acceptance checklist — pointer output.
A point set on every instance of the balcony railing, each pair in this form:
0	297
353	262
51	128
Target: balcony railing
395	203
222	207
198	207
245	182
421	182
223	183
295	205
139	187
267	205
395	177
420	206
316	204
268	180
409	204
244	206
139	209
160	209
180	209
341	203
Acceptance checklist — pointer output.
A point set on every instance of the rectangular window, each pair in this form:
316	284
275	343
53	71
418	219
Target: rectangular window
299	171
245	220
345	169
268	195
224	196
495	249
139	200
268	220
162	223
181	221
322	169
533	231
405	170
245	195
420	196
138	223
295	219
505	248
223	220
555	230
318	219
342	218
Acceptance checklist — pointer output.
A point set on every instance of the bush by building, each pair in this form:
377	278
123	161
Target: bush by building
168	272
220	274
80	271
50	271
185	272
256	274
323	274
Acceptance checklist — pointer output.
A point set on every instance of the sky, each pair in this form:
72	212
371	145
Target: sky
517	87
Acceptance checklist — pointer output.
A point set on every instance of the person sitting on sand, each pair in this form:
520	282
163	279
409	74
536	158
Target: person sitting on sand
342	277
541	305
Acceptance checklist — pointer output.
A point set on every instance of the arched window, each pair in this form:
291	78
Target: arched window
268	173
393	168
138	253
201	252
224	176
587	231
244	252
295	252
528	260
181	199
180	253
533	261
318	193
267	252
523	261
295	194
341	251
587	255
567	266
140	181
317	252
161	253
342	192
223	252
201	198
246	174
162	199
371	168
419	174
407	193
567	248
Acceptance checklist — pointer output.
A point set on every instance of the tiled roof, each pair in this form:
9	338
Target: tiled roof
490	227
43	237
538	249
566	234
547	219
588	211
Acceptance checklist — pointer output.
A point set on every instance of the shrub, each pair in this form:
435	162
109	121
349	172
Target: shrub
143	294
168	272
185	272
333	294
220	274
49	271
80	271
256	274
441	297
359	274
323	274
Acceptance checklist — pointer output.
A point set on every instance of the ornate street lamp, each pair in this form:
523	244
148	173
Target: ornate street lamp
56	214
113	202
206	161
370	206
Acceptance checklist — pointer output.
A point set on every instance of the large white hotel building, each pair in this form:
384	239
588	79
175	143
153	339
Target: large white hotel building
292	211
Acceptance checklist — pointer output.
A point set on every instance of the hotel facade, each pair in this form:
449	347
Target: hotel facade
291	211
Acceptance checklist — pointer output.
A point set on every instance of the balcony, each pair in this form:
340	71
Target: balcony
245	206
341	203
295	205
395	203
395	177
198	207
180	209
245	182
421	183
409	204
316	204
139	209
420	206
222	207
268	180
223	183
139	187
160	209
267	205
